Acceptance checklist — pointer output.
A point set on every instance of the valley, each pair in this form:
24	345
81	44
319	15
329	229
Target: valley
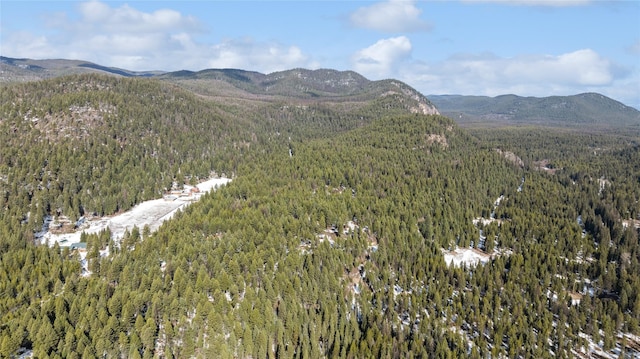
586	112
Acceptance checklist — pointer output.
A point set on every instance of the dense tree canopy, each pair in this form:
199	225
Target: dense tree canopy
329	241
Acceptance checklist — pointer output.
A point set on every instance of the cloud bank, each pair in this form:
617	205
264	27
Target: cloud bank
128	38
382	58
546	3
390	16
126	19
578	71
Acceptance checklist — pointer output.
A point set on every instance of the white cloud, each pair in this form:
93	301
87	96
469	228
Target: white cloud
95	10
532	75
25	44
547	3
265	57
381	59
160	40
582	67
390	16
128	19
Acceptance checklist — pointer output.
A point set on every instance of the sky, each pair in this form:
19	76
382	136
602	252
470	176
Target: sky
468	47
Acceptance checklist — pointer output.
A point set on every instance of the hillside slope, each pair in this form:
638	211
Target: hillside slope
310	86
316	85
22	70
587	110
109	142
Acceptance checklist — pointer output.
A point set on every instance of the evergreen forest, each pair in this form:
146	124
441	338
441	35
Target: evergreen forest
330	240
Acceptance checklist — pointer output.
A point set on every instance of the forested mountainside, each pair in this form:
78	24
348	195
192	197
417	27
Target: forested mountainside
332	237
96	144
587	111
323	85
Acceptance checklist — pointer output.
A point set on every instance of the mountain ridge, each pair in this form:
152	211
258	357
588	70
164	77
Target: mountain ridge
593	109
24	69
327	85
317	85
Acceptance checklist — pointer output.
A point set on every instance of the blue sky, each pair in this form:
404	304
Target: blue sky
469	47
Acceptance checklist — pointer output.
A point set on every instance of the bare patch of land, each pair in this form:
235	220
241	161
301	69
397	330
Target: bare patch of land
468	256
150	213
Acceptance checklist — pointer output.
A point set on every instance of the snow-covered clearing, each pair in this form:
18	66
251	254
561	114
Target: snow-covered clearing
627	223
468	256
152	213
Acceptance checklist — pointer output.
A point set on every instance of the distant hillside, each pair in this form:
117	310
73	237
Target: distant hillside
592	109
21	70
298	82
323	85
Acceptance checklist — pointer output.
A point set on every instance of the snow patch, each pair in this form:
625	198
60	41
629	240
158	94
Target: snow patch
467	256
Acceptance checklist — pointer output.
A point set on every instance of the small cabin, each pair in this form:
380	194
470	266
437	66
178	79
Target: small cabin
575	298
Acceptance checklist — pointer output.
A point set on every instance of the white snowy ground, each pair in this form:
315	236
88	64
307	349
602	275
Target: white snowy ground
469	256
151	213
